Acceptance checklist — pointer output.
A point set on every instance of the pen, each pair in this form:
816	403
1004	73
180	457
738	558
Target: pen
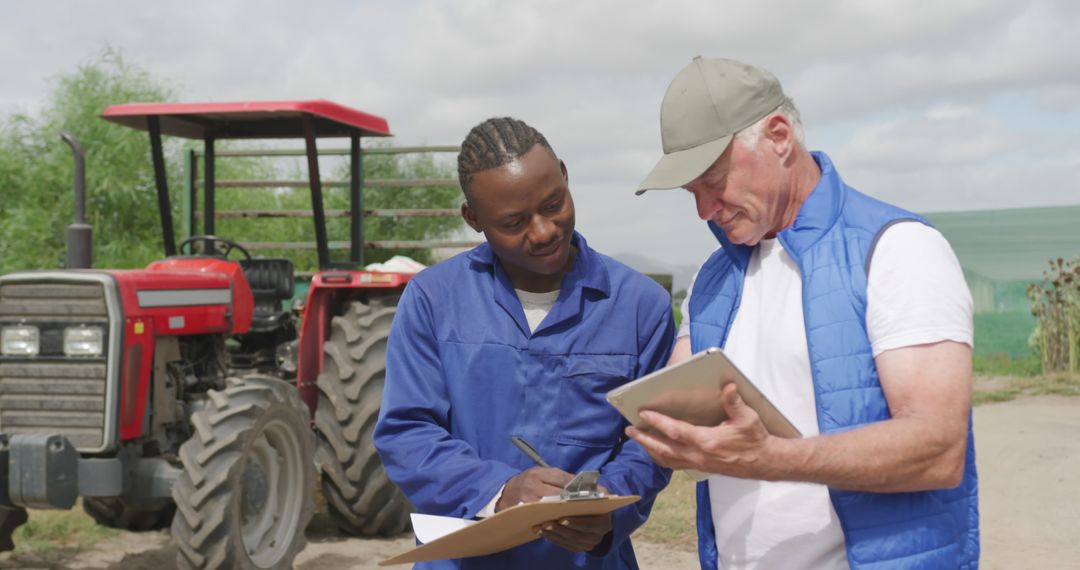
529	451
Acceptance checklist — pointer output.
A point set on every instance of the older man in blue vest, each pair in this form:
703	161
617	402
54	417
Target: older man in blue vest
850	314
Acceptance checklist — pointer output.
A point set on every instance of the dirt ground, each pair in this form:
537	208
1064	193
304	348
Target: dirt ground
1027	450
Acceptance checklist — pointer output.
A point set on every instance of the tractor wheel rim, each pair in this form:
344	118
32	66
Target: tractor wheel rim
268	522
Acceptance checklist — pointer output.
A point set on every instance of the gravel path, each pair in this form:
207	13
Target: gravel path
1028	452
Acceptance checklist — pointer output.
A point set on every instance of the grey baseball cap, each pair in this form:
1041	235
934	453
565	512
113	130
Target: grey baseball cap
706	104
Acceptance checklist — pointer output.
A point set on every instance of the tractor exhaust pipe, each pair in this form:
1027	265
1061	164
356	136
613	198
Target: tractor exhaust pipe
79	234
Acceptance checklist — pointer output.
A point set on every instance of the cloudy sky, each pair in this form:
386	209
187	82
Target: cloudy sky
934	106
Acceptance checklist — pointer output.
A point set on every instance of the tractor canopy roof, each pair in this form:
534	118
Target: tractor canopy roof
249	119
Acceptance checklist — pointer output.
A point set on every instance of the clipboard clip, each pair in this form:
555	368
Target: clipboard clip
582	486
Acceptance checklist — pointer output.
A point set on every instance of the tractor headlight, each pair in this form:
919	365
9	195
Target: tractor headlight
83	341
20	341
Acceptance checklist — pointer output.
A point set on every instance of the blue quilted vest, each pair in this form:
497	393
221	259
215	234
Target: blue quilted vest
831	240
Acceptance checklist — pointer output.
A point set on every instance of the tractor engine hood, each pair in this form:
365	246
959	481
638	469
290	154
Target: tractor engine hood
184	296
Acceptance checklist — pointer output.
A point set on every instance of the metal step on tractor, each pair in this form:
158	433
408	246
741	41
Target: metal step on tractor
192	393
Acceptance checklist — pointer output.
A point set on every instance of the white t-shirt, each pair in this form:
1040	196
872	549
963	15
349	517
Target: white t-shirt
536	306
916	294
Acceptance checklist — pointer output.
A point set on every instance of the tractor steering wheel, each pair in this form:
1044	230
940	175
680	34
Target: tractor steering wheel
227	246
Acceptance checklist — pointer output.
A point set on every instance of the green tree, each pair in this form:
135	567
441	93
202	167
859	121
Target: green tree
410	167
36	198
376	167
36	171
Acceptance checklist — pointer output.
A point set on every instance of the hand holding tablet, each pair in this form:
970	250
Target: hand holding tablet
690	391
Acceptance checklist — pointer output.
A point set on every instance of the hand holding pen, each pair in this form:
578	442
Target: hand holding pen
532	484
576	534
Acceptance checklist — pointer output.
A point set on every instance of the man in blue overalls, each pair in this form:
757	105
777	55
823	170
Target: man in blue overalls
522	336
850	315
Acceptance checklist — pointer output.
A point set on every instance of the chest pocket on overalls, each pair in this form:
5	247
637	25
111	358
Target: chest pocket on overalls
585	416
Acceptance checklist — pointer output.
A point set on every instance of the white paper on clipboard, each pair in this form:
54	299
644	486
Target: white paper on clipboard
690	391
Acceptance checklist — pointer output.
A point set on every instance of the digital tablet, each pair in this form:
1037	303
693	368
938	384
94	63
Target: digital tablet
690	391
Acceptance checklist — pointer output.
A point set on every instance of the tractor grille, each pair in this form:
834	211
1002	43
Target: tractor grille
53	393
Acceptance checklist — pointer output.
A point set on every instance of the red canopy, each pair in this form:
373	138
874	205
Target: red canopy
249	120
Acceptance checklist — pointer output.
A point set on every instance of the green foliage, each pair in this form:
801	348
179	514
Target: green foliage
254	229
1056	304
1060	384
1001	364
979	398
676	306
423	166
36	198
1052	384
672	519
376	167
45	530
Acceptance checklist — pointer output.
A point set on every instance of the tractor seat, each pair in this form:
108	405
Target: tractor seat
271	282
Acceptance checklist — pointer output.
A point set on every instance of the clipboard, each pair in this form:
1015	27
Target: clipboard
507	528
690	391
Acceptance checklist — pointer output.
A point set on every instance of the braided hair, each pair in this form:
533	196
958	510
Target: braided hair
493	143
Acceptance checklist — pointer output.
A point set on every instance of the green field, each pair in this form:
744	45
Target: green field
49	530
1001	342
1011	245
1003	333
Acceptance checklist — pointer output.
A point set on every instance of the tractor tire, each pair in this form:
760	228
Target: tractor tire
243	498
115	512
11	518
361	499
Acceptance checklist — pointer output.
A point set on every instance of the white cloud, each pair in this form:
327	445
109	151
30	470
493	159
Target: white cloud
916	89
992	185
1058	99
942	137
990	51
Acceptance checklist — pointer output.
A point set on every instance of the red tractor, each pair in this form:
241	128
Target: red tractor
184	393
